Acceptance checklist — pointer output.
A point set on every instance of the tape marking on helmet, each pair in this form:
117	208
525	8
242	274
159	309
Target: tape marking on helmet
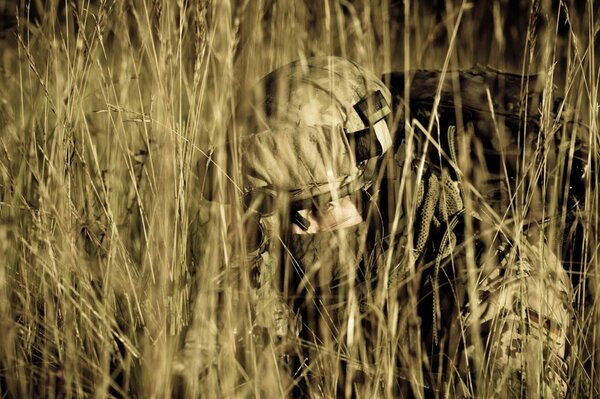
372	108
383	134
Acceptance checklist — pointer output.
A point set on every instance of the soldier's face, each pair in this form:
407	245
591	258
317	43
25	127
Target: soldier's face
338	214
323	264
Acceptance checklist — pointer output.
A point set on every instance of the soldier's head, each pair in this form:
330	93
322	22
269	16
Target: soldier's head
314	126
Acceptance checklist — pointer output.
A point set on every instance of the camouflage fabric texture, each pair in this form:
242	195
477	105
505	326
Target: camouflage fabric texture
301	162
523	313
506	326
519	316
311	126
319	91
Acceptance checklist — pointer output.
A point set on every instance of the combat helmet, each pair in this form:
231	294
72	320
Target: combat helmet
314	125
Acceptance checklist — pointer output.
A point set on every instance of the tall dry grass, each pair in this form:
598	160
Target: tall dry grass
109	258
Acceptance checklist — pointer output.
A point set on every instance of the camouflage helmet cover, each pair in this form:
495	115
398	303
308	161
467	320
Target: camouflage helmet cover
318	91
317	120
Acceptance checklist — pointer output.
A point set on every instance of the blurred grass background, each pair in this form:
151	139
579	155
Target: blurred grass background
107	253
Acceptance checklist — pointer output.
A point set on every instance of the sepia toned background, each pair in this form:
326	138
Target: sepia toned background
108	254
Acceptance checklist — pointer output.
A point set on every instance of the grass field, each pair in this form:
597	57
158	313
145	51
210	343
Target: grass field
107	252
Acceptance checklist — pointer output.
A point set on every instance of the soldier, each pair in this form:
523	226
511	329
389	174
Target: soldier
381	250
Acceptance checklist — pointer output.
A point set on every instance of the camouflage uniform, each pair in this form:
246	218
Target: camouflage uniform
505	329
322	137
518	317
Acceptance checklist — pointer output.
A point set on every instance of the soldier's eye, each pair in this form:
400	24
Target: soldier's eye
322	208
